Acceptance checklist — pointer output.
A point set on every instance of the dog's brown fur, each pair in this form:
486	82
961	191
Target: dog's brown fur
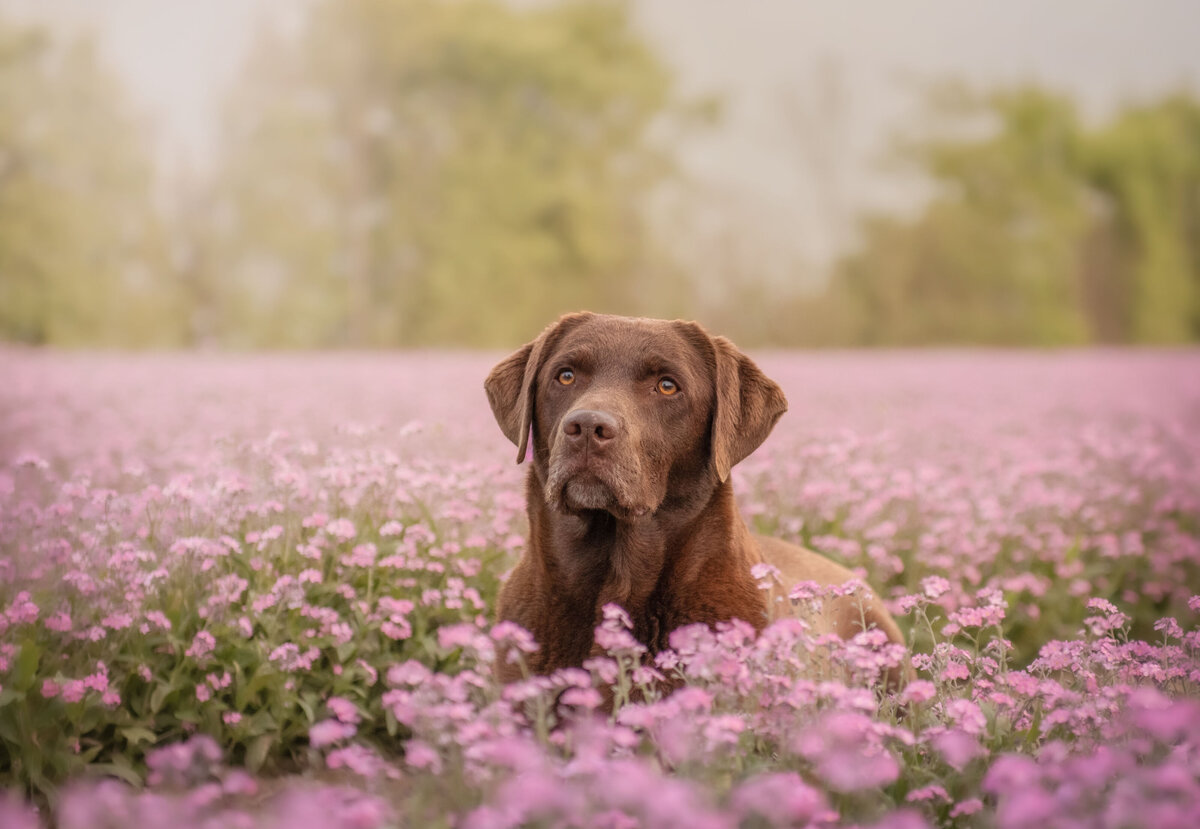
629	497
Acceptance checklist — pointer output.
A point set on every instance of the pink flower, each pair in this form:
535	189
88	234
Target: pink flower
927	793
316	520
847	752
586	698
513	635
919	690
343	709
50	689
934	586
328	732
341	529
967	716
780	799
60	622
1169	627
955	671
765	575
957	748
966	807
202	646
411	673
420	755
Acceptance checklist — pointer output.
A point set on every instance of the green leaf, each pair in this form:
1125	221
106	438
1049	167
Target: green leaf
10	694
135	734
256	752
120	770
26	665
307	708
159	697
259	681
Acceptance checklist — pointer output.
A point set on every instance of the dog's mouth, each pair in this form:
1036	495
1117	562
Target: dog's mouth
577	486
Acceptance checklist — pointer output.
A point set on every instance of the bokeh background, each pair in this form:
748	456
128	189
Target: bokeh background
244	174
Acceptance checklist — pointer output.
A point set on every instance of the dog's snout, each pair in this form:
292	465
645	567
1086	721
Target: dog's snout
588	424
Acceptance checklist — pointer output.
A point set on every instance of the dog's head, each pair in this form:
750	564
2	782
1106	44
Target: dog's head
627	415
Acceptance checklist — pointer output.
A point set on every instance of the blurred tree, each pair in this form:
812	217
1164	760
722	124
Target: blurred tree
1143	279
1040	231
414	172
993	257
80	251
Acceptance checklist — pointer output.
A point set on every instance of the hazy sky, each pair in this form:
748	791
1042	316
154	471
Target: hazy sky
769	59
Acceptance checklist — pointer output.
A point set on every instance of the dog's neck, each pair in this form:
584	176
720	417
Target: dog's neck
645	565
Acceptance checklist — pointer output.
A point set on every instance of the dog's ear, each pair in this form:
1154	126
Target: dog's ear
511	385
747	404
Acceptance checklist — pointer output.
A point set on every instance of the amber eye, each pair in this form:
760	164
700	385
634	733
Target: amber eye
667	386
566	377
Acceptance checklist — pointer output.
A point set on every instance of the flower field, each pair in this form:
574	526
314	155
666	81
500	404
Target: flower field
257	591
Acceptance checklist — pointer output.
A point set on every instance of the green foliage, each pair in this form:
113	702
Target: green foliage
1144	170
1041	230
79	248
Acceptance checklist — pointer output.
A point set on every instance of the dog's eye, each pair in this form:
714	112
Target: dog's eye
667	386
566	377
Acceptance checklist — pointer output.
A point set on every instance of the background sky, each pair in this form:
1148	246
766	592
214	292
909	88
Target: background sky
811	90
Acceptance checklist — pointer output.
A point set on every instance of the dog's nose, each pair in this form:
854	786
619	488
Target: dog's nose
585	424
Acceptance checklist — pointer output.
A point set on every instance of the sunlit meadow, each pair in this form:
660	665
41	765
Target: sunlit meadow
257	591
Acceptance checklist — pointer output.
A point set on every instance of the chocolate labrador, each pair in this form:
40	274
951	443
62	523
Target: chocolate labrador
634	426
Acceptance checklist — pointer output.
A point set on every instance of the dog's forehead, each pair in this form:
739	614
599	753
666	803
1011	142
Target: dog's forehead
614	339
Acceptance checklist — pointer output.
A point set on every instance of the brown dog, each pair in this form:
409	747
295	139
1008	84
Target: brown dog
635	424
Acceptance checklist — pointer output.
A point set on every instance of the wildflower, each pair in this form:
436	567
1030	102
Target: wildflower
513	635
966	715
847	752
780	799
420	755
411	673
957	748
919	690
341	528
586	698
934	586
328	732
954	671
765	575
1169	627
59	622
74	690
343	709
966	807
202	646
933	792
117	621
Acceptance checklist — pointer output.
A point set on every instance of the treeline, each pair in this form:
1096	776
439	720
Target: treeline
412	172
1042	231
